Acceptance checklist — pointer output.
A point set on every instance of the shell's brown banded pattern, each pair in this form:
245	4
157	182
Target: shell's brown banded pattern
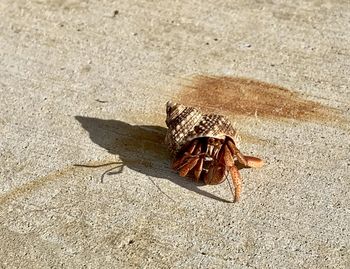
187	123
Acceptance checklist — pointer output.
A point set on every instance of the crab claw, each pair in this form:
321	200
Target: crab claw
254	162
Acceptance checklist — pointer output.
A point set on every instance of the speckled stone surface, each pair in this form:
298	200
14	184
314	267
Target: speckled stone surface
85	178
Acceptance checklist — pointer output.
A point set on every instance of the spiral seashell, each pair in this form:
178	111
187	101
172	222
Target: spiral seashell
187	123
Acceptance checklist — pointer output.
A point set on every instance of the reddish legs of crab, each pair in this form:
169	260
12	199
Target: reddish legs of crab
254	162
178	163
214	157
198	169
218	168
248	161
192	159
237	182
235	176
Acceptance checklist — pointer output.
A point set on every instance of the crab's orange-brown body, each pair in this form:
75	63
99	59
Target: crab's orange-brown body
204	147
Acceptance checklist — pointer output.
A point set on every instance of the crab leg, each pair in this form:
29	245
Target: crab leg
237	182
191	163
236	178
248	161
235	152
216	171
177	163
210	147
198	169
217	152
188	166
228	158
254	161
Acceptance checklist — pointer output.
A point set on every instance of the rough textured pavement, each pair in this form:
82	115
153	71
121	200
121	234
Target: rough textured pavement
84	176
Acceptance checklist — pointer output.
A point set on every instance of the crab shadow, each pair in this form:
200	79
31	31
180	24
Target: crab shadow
139	147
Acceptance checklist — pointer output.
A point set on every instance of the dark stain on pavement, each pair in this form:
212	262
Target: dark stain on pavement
249	97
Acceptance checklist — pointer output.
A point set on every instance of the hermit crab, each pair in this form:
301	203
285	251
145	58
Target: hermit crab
203	146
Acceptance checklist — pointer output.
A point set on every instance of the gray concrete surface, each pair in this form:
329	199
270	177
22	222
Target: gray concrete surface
80	86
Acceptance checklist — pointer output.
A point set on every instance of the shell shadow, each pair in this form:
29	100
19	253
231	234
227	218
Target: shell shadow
139	147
